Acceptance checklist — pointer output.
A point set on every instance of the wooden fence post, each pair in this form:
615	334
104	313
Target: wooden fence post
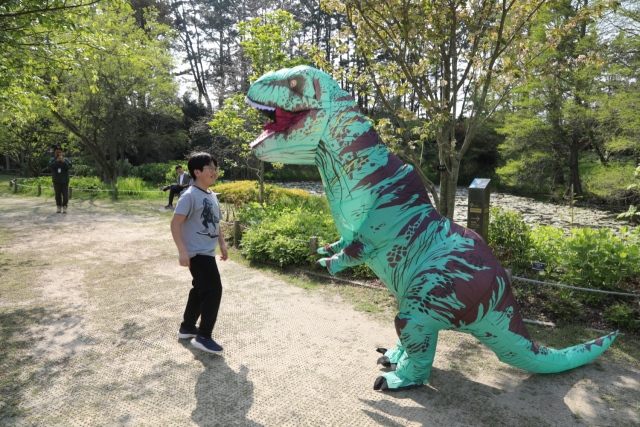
10	183
236	233
15	186
39	190
313	245
115	193
70	192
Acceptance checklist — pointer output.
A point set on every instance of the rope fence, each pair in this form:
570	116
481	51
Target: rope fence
313	244
14	183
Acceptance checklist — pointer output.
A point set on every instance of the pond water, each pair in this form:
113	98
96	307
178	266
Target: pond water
533	211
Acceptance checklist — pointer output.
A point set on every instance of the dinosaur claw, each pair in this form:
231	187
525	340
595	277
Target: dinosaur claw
384	361
381	350
394	366
380	384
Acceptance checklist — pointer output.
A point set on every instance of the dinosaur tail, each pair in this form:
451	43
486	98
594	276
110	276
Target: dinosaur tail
506	335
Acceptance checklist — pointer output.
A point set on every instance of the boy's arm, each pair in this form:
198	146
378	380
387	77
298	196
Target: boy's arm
224	255
176	232
68	163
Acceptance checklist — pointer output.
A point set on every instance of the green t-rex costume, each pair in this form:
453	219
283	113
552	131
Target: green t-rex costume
443	275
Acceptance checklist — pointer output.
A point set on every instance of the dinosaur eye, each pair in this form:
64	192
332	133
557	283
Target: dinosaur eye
296	84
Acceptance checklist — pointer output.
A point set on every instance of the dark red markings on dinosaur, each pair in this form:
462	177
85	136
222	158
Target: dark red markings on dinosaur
355	250
400	324
405	189
366	140
599	341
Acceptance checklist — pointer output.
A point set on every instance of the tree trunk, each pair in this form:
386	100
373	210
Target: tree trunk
7	161
261	183
574	171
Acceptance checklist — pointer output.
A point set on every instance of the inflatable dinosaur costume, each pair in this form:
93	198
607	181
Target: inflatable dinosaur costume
443	275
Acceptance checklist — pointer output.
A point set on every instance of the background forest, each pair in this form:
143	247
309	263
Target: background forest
541	96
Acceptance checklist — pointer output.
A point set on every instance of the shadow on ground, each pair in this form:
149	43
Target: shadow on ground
223	396
514	397
14	356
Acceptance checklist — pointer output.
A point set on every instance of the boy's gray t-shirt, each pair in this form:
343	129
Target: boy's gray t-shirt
201	228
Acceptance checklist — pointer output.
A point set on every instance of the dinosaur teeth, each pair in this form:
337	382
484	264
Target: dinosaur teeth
258	106
264	135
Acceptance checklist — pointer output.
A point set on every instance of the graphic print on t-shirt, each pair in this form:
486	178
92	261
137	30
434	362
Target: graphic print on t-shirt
208	217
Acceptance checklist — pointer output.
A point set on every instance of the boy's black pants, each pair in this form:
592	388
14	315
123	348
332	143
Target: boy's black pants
204	297
62	193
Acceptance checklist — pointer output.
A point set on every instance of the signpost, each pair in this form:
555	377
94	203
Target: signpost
478	209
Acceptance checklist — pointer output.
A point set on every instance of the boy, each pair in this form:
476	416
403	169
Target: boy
196	231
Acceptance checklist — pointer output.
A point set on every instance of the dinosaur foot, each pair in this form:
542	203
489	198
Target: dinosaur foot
381	350
384	361
381	384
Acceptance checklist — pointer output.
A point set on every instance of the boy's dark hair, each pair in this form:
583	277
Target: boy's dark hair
178	167
197	161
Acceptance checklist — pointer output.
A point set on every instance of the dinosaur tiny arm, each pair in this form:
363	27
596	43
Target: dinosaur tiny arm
333	248
353	254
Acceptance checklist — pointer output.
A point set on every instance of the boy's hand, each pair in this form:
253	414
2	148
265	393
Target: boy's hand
185	260
224	255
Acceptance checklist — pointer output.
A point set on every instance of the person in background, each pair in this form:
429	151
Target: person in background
183	183
196	231
60	176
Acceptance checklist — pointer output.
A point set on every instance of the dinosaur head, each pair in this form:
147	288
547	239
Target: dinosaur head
298	102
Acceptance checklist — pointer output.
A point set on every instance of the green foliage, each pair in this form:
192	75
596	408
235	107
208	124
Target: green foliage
607	181
587	258
563	304
598	259
624	315
265	40
127	187
280	232
157	173
633	214
281	235
508	229
248	191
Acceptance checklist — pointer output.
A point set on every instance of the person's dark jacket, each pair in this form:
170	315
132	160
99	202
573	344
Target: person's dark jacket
61	177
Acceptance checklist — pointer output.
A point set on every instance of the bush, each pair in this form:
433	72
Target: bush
598	259
249	191
594	259
280	232
607	181
508	229
624	315
153	172
83	170
282	236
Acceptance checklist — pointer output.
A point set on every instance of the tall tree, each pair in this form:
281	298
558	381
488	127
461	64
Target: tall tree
127	75
553	119
452	57
262	41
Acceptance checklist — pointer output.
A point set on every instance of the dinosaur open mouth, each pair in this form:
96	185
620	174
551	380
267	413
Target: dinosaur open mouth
281	120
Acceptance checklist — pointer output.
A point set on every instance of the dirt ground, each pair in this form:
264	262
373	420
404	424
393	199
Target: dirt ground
90	303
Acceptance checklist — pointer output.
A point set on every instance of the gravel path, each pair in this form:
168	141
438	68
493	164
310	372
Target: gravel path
91	302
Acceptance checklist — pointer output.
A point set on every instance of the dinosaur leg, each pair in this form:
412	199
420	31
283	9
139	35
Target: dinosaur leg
414	366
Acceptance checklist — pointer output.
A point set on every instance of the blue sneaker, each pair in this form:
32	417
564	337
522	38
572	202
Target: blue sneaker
187	333
206	344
